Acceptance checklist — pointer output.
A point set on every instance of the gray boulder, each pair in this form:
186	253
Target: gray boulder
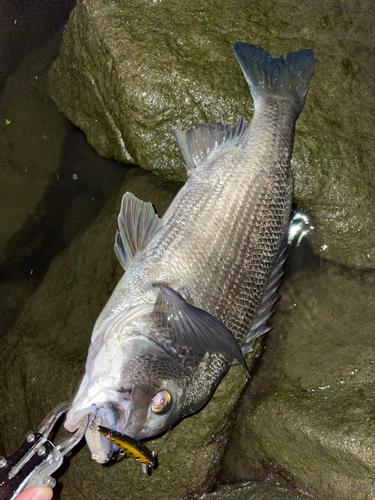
130	72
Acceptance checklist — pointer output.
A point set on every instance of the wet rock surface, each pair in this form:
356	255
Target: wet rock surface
27	26
128	73
32	138
310	407
253	490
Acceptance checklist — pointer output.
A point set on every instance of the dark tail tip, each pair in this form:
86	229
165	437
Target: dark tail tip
266	75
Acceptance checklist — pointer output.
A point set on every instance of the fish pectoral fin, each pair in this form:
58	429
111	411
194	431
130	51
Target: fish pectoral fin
198	143
138	225
194	328
270	296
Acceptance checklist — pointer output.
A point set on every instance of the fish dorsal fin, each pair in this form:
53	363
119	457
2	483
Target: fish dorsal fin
138	224
270	296
195	328
197	143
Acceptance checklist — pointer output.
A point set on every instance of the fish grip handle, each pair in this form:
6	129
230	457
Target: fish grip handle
37	458
24	467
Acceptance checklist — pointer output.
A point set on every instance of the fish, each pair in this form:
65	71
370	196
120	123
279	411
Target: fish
131	447
200	283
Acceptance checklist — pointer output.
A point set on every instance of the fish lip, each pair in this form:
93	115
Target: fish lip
101	448
118	401
110	414
111	417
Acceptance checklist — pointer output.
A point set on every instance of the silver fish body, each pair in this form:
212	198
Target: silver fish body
200	282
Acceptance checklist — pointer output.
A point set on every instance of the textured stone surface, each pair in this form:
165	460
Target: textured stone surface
43	356
129	72
253	490
310	408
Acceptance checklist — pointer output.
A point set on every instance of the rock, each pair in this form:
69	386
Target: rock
254	490
130	72
32	134
310	407
43	356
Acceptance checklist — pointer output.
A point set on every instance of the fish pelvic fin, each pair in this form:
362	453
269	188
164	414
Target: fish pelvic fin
266	75
194	328
198	143
138	226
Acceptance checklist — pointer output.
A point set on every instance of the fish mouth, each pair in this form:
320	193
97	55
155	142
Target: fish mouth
112	414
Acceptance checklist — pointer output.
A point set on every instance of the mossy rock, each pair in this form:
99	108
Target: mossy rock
310	409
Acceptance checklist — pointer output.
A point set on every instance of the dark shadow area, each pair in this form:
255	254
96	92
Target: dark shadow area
82	185
82	180
25	25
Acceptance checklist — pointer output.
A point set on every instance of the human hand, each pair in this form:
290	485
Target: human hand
36	493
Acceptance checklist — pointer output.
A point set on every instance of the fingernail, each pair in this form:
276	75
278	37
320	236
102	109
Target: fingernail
42	493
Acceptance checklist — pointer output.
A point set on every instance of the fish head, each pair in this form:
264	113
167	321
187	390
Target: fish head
149	367
131	385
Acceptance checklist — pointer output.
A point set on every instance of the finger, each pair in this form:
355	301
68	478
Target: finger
36	493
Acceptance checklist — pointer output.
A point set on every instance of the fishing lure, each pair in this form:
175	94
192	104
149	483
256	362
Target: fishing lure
131	447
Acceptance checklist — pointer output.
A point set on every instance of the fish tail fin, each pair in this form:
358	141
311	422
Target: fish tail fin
267	76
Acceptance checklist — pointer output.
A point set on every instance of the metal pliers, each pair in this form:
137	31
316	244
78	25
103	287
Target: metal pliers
38	457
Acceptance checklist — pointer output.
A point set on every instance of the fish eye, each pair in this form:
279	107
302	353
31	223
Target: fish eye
161	402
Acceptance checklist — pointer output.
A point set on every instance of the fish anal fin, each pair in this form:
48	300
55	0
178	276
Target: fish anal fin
194	328
270	296
138	225
198	143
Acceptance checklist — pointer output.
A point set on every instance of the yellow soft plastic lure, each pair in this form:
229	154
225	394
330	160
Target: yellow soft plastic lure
131	446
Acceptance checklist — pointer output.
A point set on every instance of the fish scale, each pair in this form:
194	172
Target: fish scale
200	282
238	245
251	257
